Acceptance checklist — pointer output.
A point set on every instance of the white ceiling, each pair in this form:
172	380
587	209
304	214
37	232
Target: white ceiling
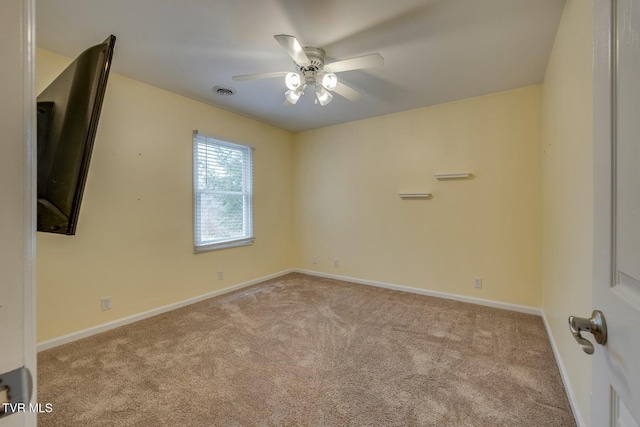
435	51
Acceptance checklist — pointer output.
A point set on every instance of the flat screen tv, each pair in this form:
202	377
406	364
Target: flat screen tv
68	113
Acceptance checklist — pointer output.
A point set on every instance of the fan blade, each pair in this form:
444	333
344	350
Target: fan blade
373	60
347	92
260	76
293	48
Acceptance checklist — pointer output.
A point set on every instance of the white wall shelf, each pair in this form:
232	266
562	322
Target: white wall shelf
414	195
452	175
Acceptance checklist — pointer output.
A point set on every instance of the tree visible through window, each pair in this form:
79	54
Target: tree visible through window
223	193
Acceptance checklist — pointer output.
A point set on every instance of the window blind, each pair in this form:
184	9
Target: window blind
223	193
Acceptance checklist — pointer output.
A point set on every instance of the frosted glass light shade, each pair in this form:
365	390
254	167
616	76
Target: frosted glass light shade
330	81
324	97
292	80
293	95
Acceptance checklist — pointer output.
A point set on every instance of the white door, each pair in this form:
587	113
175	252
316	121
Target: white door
17	198
615	399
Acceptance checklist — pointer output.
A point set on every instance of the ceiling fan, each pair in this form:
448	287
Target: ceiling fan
312	72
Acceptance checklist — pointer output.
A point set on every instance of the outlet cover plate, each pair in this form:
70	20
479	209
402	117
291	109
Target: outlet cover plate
105	303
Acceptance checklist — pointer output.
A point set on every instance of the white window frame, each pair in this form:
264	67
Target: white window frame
200	245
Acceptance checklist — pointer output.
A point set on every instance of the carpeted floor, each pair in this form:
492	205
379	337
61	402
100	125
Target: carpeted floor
307	351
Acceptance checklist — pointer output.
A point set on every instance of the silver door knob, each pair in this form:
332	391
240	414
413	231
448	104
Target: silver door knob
595	325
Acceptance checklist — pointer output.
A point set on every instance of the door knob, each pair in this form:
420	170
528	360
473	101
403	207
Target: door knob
595	325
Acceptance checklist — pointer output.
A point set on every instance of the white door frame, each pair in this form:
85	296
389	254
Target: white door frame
17	227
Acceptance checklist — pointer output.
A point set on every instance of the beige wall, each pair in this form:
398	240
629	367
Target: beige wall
346	205
134	237
567	188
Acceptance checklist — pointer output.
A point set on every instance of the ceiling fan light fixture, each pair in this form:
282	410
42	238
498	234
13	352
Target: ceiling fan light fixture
323	95
293	81
311	71
329	81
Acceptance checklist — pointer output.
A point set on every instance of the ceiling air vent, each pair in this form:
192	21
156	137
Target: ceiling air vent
223	90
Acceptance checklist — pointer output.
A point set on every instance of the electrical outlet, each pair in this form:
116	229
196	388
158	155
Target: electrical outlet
105	303
220	275
336	263
314	260
478	283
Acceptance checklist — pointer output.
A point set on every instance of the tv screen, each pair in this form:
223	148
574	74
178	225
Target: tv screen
68	113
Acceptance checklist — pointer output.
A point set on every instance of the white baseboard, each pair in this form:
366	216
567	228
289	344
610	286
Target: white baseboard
472	300
45	345
565	377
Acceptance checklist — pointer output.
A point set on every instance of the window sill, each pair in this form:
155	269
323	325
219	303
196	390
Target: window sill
223	245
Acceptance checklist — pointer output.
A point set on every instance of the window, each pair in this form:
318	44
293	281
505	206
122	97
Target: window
223	194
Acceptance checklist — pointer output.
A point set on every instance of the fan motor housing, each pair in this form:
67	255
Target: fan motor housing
316	56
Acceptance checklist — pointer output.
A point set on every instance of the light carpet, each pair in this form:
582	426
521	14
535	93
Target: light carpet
306	351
